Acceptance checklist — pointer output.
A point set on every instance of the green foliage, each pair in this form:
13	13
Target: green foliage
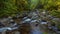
23	5
52	5
55	13
10	7
33	4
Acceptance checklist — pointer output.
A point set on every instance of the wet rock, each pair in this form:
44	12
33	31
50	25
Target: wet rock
44	22
54	28
33	21
27	20
24	18
1	25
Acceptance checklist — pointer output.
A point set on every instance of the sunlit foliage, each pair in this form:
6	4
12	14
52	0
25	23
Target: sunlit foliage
11	7
53	6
